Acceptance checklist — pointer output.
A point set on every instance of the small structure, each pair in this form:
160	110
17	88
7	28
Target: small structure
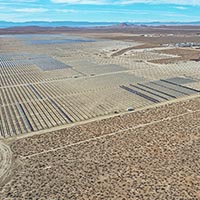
130	109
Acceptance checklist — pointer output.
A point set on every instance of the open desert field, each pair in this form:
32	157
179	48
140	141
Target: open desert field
148	154
99	113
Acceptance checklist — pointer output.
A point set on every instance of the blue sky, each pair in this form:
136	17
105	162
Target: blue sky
100	10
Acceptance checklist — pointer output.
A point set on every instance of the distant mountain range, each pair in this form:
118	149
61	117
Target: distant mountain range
5	24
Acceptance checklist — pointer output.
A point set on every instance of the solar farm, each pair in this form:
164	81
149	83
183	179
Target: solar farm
42	88
95	118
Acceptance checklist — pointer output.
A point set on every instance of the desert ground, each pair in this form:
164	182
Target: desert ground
100	113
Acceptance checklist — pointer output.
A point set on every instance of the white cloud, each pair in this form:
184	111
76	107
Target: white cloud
23	1
181	8
66	11
176	2
93	2
119	2
30	10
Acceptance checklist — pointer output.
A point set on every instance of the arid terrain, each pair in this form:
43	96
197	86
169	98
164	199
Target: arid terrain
100	113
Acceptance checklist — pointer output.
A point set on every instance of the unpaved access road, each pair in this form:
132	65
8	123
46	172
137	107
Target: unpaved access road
5	161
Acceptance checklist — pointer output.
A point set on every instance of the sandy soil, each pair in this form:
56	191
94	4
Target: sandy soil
151	153
183	53
5	162
154	156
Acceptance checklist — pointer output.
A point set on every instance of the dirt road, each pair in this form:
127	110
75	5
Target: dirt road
5	161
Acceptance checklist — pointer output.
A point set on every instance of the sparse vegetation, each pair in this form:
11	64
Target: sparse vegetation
102	119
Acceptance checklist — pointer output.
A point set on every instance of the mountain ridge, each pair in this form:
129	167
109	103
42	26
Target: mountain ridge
7	24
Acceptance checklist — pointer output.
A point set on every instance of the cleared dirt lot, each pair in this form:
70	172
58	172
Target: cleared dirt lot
146	154
184	55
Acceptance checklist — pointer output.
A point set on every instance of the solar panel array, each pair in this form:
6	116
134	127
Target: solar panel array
162	90
44	86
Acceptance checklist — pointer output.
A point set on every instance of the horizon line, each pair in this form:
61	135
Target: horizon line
50	21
